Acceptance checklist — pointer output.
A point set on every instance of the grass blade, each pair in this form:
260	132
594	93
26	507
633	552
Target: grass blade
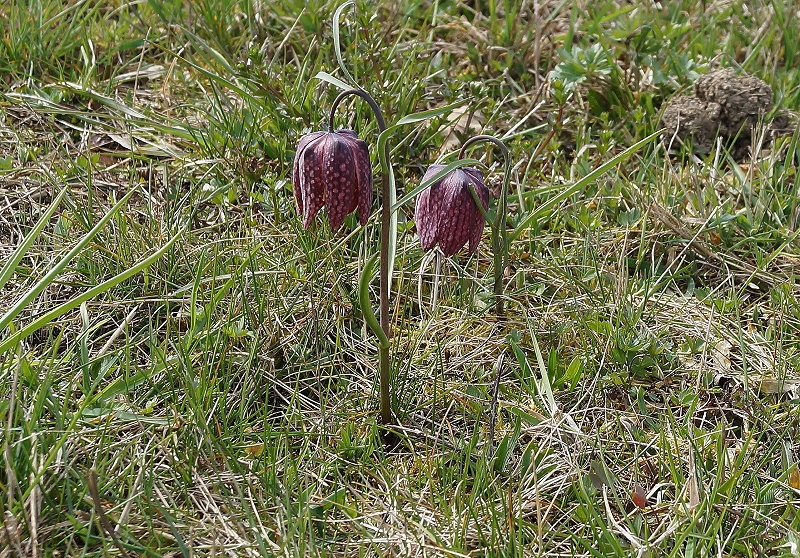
73	303
580	184
50	276
11	264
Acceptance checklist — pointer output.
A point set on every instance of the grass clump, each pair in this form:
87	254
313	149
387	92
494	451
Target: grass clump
195	377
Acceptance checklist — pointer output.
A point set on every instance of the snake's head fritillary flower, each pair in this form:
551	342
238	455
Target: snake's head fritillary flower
332	169
446	214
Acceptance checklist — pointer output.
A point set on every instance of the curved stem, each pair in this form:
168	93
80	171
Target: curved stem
386	214
364	95
483	139
499	232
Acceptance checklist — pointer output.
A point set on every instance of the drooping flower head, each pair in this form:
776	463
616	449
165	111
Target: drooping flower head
332	169
446	214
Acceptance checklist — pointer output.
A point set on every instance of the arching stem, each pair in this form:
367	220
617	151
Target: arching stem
499	232
386	214
370	101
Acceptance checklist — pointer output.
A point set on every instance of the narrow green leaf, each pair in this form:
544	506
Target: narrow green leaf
366	306
392	226
73	303
11	264
427	114
50	276
386	168
438	176
543	385
325	76
337	46
580	184
383	138
528	418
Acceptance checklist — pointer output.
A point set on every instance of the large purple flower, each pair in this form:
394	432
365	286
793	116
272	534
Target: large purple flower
332	169
446	214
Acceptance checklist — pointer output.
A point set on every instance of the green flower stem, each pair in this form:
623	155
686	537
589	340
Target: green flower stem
366	307
383	332
498	225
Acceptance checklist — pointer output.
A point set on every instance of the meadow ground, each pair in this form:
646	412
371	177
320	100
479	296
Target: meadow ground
185	371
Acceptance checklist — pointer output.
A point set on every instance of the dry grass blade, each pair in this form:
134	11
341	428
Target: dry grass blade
747	271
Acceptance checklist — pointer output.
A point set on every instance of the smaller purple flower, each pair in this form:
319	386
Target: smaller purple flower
332	169
446	214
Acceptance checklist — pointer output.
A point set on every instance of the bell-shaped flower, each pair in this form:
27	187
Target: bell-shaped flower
446	213
332	169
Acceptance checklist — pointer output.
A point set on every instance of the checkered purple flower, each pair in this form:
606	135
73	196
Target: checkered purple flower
332	169
446	214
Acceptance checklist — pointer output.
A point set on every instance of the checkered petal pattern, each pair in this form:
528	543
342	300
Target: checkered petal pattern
332	169
446	215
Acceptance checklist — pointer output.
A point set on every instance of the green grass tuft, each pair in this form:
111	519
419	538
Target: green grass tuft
196	378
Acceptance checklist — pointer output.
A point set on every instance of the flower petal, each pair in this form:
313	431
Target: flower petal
297	169
457	216
339	169
476	229
425	220
363	174
312	179
428	209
